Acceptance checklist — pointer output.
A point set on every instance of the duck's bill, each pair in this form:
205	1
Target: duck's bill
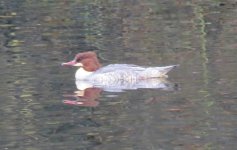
72	63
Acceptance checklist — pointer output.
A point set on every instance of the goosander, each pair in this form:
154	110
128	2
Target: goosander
90	70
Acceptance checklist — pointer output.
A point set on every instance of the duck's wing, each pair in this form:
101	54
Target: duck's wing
117	67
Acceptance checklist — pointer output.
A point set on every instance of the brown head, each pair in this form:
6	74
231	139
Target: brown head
87	60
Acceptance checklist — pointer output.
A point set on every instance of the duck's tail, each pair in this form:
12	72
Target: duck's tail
157	72
166	69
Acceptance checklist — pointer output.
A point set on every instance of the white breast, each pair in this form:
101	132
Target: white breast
82	74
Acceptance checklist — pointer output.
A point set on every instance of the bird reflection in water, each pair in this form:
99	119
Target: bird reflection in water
87	97
88	93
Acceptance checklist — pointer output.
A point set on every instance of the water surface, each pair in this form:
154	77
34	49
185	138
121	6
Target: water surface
37	36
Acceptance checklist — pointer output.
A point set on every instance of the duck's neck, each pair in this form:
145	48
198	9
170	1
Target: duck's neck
82	74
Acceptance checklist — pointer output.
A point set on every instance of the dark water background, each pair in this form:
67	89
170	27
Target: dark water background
36	36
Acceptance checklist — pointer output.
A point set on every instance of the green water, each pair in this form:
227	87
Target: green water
37	36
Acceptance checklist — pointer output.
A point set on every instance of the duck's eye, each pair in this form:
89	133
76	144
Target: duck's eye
78	59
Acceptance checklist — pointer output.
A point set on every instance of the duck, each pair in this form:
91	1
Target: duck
90	69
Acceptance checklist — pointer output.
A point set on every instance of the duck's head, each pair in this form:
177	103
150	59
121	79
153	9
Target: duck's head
87	60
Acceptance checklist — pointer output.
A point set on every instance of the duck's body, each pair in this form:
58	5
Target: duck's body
91	70
124	72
